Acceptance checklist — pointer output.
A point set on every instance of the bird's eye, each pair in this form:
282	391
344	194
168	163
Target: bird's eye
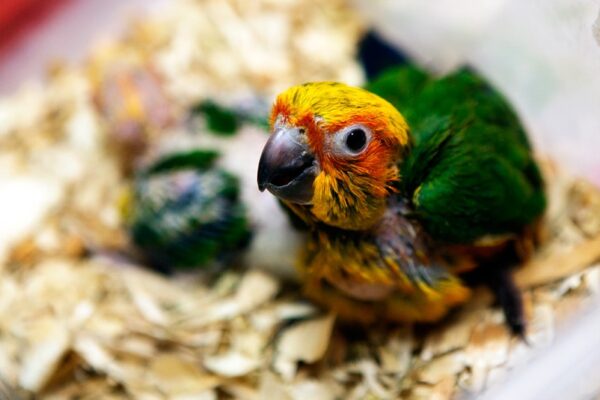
356	140
350	141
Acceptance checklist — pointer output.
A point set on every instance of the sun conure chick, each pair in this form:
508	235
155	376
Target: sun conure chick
388	197
185	212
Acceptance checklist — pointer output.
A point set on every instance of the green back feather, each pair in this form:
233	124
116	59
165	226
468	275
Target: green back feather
471	171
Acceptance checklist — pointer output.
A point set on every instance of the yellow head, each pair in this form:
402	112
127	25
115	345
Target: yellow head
333	153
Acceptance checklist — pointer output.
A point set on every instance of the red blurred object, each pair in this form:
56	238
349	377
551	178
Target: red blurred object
17	17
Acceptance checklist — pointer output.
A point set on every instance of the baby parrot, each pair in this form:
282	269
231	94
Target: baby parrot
394	181
185	212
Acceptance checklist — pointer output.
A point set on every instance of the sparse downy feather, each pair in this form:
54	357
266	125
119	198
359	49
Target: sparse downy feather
186	212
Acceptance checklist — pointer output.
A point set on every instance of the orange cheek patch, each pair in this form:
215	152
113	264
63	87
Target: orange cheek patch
377	164
371	168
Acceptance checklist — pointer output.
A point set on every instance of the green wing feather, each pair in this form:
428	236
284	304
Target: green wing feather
471	171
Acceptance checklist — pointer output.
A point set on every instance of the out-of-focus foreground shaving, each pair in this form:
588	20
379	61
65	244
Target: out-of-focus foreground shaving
78	323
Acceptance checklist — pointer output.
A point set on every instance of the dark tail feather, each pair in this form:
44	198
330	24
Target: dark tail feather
377	55
510	300
497	275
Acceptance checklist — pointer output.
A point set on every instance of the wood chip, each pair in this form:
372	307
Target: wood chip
256	288
231	364
395	355
177	377
442	367
306	341
146	304
41	360
272	388
558	265
488	346
312	389
541	326
452	336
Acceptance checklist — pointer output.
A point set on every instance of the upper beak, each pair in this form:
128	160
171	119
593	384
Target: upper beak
287	168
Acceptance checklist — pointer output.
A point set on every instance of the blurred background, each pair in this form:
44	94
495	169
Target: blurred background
92	90
543	55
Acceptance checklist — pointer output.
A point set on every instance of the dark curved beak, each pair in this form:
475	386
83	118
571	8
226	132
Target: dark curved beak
287	168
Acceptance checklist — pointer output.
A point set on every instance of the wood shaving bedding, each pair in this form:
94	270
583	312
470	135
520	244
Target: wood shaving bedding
79	326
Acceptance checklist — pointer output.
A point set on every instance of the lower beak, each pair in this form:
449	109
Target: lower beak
287	168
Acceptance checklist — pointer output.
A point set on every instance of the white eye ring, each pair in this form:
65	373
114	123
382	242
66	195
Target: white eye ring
351	141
